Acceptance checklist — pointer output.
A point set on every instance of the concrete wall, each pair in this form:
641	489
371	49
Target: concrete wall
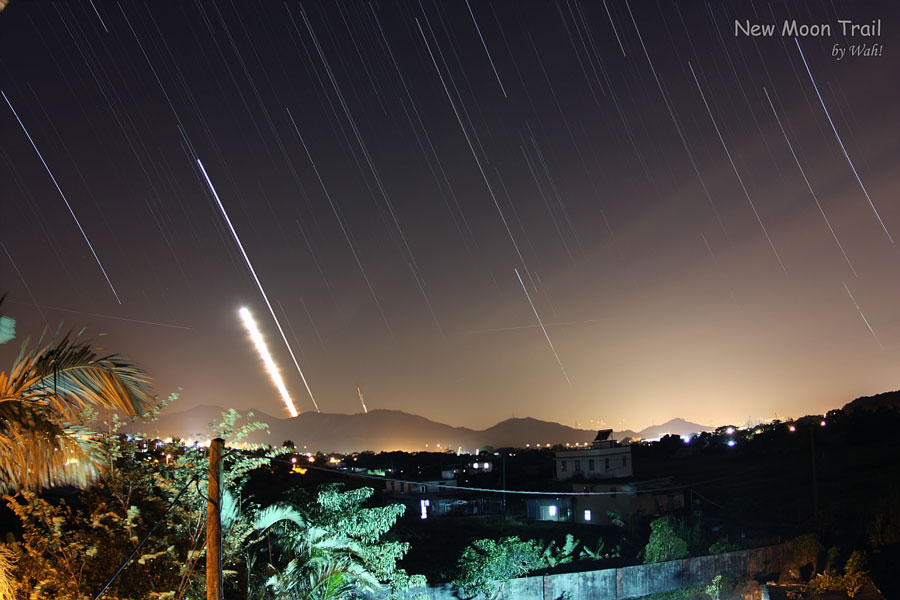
631	582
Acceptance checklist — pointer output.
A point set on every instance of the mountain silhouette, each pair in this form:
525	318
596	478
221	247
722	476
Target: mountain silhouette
385	430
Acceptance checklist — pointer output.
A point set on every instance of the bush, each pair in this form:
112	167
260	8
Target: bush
664	543
485	565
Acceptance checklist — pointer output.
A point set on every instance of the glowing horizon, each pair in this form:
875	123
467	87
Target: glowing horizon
263	350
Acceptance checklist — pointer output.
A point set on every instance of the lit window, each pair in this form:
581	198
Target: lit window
551	510
587	515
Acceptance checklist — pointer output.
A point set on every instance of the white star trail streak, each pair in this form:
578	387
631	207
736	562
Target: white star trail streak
675	122
341	223
263	350
618	39
25	283
258	285
486	51
475	156
802	172
841	143
63	196
544	329
865	320
736	173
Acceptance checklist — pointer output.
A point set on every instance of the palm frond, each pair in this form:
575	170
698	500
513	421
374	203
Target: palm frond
70	376
276	513
36	451
40	399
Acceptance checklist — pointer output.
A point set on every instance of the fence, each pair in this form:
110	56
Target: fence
632	582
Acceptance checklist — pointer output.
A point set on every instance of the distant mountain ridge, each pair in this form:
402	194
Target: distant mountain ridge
890	400
385	430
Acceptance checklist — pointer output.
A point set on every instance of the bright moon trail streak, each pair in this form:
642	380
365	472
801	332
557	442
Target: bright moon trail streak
259	285
734	168
361	401
865	320
260	343
63	196
841	142
544	329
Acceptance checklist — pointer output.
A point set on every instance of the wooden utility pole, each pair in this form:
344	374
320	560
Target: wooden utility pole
214	522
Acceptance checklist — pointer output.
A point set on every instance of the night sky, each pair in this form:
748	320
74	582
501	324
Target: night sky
390	167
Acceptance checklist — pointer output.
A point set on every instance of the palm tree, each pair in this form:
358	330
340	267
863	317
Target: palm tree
41	397
321	564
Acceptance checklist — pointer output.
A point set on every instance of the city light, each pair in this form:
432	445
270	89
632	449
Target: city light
263	350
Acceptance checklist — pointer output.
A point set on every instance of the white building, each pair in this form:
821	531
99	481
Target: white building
605	459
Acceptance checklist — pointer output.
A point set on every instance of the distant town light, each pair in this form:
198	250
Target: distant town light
791	428
730	430
587	514
294	460
731	443
823	423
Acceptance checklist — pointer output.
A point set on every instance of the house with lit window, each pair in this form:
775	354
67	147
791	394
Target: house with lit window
605	459
601	503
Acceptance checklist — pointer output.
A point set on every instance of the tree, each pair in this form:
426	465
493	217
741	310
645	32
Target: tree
664	543
330	548
486	565
42	443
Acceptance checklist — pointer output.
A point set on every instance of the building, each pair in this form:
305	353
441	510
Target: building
550	509
411	488
605	459
625	499
441	498
608	502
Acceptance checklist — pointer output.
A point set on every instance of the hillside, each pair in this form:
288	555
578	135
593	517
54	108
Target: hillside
383	430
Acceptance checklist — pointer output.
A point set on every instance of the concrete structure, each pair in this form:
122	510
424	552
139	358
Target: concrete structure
605	459
632	582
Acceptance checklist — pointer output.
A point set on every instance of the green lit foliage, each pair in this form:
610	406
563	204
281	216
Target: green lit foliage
553	555
587	553
664	543
69	548
719	587
330	549
7	328
722	545
486	565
